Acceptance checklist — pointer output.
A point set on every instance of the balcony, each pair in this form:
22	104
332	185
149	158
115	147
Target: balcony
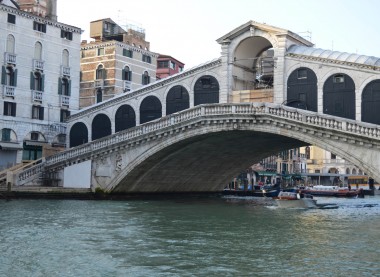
38	64
65	100
9	91
37	95
99	83
9	58
127	86
65	70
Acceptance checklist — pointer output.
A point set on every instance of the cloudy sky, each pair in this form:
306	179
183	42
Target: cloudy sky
188	29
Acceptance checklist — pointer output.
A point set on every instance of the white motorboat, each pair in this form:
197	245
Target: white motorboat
293	199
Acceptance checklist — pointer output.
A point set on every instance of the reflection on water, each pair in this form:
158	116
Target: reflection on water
188	237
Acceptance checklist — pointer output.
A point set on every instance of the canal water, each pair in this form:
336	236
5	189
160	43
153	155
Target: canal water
206	236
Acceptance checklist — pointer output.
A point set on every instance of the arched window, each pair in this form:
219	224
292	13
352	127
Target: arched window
100	72
125	118
10	44
78	134
177	100
339	96
348	171
37	81
101	126
9	76
145	78
371	102
206	90
64	86
150	109
302	89
38	51
126	74
307	152
65	58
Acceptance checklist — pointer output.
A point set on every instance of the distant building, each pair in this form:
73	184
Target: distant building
39	81
167	66
119	60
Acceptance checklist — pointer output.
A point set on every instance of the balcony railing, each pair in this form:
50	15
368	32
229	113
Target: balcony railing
99	83
8	91
10	58
65	70
38	64
37	95
127	86
65	100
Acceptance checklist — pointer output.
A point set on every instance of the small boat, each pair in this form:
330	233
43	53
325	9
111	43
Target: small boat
295	199
334	191
264	191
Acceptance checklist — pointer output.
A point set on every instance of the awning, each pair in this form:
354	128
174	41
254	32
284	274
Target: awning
35	143
10	145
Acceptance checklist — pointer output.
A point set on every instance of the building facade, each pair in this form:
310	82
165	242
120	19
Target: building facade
39	82
117	62
167	66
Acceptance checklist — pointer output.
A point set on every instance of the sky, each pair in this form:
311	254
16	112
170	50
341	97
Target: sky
188	29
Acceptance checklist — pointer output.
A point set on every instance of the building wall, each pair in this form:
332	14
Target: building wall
53	45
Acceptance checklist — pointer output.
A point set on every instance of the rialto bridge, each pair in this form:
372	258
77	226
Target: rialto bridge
269	91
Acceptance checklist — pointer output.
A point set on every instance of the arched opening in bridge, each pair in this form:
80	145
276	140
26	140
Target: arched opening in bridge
101	126
302	90
125	118
177	100
339	96
371	102
150	109
253	64
78	134
206	90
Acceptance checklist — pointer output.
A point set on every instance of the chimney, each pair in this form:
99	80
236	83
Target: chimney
51	9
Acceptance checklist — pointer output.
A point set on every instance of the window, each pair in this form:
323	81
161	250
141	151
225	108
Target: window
127	74
66	35
9	76
99	96
100	51
338	78
100	72
11	18
302	73
65	58
38	51
40	27
163	64
333	156
64	86
36	81
180	68
64	115
146	58
38	112
172	65
128	53
6	134
11	44
145	78
34	136
10	108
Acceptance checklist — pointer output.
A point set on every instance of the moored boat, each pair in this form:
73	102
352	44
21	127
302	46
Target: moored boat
265	191
332	191
295	199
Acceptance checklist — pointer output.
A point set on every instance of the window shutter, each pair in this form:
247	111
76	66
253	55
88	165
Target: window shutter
59	86
15	78
62	34
69	88
104	73
41	113
44	28
123	74
42	81
13	112
3	75
142	80
32	80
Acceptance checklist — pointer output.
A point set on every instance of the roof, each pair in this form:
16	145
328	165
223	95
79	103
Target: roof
333	55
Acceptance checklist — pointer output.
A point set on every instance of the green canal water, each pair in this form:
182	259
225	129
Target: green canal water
188	237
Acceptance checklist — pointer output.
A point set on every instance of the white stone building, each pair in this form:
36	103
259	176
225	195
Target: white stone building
39	82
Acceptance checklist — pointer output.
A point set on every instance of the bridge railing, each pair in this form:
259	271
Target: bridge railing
280	111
